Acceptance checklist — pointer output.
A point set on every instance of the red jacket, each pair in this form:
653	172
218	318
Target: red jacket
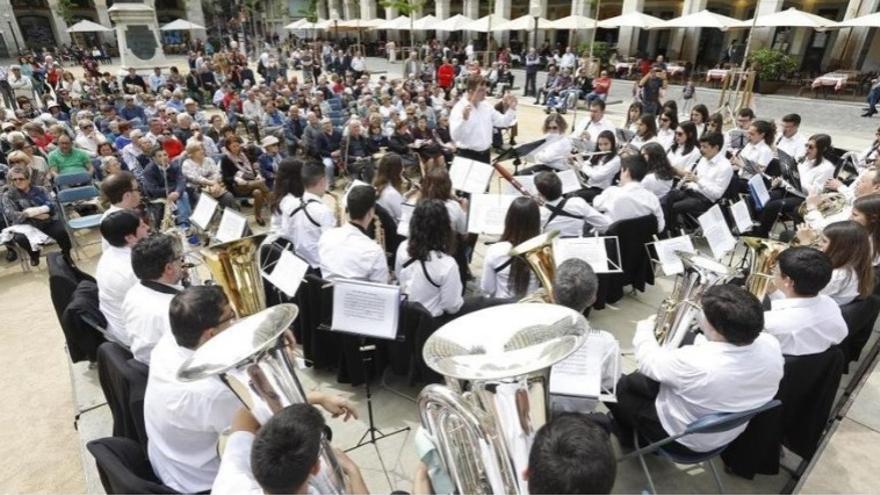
445	76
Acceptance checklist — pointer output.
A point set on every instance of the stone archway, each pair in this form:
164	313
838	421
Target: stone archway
36	30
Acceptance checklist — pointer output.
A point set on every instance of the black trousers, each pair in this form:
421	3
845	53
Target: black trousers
483	156
52	228
635	410
531	78
683	201
781	203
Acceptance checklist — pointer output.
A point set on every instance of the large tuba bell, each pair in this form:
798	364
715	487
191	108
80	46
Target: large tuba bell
538	253
235	266
764	253
677	312
497	367
251	359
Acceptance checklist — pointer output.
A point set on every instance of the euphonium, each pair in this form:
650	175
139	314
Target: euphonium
484	434
677	312
829	204
538	253
235	266
764	253
338	210
251	358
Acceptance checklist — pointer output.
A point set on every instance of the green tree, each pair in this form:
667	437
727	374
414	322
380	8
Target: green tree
65	10
407	8
311	11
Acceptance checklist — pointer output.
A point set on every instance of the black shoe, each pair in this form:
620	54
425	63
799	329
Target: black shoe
867	114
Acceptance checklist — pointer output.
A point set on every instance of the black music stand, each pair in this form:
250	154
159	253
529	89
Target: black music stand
516	153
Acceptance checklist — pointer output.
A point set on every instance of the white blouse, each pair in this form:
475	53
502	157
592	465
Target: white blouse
760	154
391	199
681	160
660	188
665	137
813	177
442	270
843	287
555	154
457	216
494	282
601	175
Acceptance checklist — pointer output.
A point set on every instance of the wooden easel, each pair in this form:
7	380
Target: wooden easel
736	92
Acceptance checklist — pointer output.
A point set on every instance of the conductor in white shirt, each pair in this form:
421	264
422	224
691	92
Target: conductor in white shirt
702	188
184	420
804	321
732	367
347	251
279	457
630	199
472	120
114	275
157	260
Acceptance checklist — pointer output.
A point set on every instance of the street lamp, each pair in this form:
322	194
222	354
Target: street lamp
12	32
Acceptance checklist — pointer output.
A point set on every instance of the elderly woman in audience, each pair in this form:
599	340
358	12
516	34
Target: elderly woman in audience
203	175
242	177
30	205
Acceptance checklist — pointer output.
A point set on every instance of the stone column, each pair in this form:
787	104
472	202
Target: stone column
764	36
322	10
441	11
537	8
334	9
391	13
502	9
683	42
627	40
850	41
104	20
58	24
10	30
368	9
194	13
347	10
470	8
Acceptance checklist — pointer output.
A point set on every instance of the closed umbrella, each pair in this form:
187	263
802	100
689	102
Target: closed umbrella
633	20
524	23
454	23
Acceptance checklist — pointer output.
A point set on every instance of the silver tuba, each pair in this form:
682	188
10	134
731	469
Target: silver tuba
678	311
497	367
251	359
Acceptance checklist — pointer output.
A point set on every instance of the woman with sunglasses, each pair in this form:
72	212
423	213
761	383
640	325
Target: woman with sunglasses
556	151
27	204
700	118
646	132
785	198
684	152
667	123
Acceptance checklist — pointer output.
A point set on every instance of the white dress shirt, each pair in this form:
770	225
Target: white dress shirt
601	175
813	178
442	269
115	276
684	161
457	216
475	133
184	420
299	229
146	318
346	252
638	141
795	146
708	377
760	154
494	282
843	287
660	188
593	129
713	177
572	227
391	199
628	201
235	475
805	325
555	153
110	209
666	137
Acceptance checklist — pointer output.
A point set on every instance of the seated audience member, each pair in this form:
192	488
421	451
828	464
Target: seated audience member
328	148
184	420
506	277
571	454
347	251
165	180
242	177
567	215
114	274
29	206
279	457
157	261
269	159
630	199
701	188
733	367
427	272
65	159
803	321
203	176
304	219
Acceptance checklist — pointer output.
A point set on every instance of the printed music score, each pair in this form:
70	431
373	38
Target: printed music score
590	249
758	191
204	211
366	309
232	226
717	233
666	253
741	216
487	212
470	175
288	273
569	180
527	181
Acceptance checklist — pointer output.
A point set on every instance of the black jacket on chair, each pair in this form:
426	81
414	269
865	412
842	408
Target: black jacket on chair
79	320
124	385
632	234
124	467
63	279
860	316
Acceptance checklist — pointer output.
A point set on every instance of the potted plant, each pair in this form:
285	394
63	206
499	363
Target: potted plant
771	66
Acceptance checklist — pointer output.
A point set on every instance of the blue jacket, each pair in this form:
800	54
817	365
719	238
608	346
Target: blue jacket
155	180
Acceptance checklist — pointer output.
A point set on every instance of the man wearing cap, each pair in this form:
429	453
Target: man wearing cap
133	112
157	80
57	113
270	159
191	108
132	81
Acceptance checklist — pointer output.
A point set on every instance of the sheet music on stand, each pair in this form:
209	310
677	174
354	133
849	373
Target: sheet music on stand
204	211
406	213
365	308
667	253
583	374
527	181
716	231
232	226
570	181
288	273
470	175
790	174
741	216
737	139
486	213
758	192
593	250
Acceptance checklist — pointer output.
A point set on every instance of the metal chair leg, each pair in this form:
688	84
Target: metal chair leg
643	463
715	475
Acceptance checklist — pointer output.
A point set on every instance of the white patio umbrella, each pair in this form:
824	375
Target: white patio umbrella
180	25
523	23
87	26
573	22
484	24
426	23
454	23
790	17
702	19
296	24
633	19
399	23
870	20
